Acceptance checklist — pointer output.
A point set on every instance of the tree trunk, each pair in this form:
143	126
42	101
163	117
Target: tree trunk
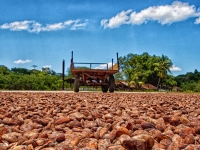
158	83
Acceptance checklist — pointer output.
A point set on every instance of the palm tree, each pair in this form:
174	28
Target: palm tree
34	66
128	75
162	67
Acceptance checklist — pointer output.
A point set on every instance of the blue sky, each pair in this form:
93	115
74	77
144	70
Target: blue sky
44	32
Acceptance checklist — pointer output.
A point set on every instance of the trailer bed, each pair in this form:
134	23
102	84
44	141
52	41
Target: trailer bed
92	76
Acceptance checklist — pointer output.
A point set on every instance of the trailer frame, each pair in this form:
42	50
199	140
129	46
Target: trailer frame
90	76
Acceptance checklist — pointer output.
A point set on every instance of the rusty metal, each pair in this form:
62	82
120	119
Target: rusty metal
90	76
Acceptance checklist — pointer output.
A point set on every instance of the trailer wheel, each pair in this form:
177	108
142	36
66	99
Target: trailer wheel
76	83
111	83
104	88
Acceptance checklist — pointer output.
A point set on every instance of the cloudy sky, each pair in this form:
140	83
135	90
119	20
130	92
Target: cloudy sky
44	32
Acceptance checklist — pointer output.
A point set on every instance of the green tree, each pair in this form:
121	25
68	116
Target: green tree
20	70
4	70
4	77
170	82
189	81
144	68
34	66
162	67
136	68
118	76
46	70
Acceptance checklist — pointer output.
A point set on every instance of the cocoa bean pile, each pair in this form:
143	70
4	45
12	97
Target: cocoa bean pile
103	121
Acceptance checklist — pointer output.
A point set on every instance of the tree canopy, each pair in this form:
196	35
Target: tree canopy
144	68
189	81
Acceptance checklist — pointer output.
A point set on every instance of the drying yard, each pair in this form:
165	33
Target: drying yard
103	121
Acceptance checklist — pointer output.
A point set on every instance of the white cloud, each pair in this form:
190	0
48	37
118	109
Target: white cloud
164	14
46	66
167	14
175	68
53	27
22	61
78	26
120	18
16	26
69	22
104	66
36	27
197	21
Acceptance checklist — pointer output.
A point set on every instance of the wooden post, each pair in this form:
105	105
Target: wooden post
83	77
72	63
63	73
118	62
112	63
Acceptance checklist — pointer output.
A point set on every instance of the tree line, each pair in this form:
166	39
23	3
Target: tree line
24	79
135	69
189	81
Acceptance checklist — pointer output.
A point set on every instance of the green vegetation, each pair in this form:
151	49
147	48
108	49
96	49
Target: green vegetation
135	69
189	82
144	68
24	79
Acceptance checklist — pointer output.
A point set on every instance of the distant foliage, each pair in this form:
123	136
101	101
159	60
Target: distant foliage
190	81
24	79
135	69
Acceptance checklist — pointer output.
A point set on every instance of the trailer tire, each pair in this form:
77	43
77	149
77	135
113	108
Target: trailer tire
104	88
76	83
111	84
